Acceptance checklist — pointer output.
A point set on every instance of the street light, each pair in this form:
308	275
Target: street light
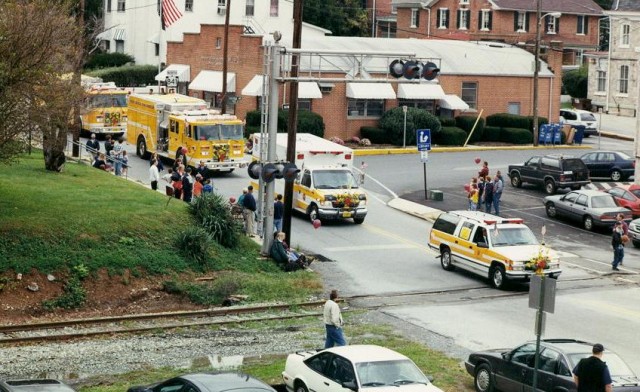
536	68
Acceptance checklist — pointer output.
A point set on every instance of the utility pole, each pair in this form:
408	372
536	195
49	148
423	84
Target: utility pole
293	118
77	78
225	54
536	70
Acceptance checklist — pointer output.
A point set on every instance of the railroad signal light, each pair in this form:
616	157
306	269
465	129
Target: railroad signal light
254	169
396	68
430	71
280	168
412	70
290	172
269	172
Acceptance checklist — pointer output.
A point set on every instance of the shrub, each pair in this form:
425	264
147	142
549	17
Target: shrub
211	211
392	121
447	121
194	243
365	142
375	135
250	129
541	121
450	136
337	140
74	295
466	123
506	120
106	60
128	76
491	134
516	135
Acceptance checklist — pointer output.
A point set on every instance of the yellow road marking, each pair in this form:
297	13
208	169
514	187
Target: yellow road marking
383	232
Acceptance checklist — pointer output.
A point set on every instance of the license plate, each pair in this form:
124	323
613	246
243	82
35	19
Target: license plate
346	215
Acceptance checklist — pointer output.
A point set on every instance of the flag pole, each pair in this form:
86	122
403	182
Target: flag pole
161	2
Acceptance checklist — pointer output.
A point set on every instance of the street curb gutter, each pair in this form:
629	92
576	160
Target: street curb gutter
414	150
613	135
415	209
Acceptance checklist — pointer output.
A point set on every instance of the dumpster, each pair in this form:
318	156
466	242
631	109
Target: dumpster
577	138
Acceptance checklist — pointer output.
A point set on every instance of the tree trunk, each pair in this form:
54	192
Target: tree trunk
53	150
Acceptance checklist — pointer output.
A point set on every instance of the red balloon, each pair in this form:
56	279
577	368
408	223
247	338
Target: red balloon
185	151
466	187
316	223
232	200
477	160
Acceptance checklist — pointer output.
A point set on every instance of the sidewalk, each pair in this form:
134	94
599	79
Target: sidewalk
618	127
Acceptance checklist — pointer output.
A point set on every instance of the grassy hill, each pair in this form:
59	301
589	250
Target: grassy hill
89	219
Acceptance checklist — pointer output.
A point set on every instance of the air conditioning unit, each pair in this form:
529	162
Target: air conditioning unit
222	10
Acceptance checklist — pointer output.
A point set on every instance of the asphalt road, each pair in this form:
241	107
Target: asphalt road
389	254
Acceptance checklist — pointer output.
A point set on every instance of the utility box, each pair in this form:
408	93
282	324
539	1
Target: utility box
436	195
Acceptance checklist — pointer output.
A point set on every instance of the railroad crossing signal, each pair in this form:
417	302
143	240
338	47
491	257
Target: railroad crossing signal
413	69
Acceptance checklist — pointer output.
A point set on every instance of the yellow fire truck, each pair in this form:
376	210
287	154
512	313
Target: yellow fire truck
105	109
168	123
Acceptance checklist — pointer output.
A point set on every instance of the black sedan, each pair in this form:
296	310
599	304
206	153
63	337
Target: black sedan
207	382
510	370
613	165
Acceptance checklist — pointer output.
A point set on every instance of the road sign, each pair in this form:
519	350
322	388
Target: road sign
423	137
172	78
536	287
424	156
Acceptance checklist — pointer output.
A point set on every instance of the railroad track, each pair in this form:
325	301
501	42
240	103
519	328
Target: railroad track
149	322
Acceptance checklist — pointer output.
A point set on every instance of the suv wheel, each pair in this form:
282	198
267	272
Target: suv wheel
483	380
551	210
616	175
516	181
588	223
636	244
445	259
498	276
550	187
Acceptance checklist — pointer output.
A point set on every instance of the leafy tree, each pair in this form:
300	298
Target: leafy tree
35	97
392	121
575	82
342	17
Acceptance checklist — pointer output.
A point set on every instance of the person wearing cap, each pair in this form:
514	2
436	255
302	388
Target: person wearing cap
592	374
333	322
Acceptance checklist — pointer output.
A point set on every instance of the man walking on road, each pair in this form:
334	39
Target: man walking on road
333	322
592	374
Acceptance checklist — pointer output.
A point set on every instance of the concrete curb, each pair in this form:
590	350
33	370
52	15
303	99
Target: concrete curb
414	150
415	209
618	136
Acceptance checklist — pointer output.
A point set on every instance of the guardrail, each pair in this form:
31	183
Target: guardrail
87	154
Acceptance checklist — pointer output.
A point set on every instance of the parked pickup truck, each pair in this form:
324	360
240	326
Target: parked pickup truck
551	172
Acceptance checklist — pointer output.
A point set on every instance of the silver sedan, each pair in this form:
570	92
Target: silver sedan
589	207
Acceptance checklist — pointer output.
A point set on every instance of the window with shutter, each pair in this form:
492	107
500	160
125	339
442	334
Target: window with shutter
459	16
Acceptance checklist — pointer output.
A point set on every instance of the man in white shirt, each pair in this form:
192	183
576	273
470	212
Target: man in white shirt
333	322
154	175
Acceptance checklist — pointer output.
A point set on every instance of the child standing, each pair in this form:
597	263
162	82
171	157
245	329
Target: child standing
125	162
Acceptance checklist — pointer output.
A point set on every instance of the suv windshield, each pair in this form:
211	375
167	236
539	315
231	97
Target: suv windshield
512	236
334	179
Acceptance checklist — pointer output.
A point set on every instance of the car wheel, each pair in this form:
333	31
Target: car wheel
616	175
483	381
636	244
300	387
551	210
358	221
498	276
550	187
141	148
313	212
516	181
445	259
588	223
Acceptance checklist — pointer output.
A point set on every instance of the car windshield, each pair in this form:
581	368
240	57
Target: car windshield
605	201
231	131
616	365
587	117
512	236
108	101
382	373
218	132
334	179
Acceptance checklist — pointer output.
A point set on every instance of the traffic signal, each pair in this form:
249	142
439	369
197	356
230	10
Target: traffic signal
413	69
269	172
254	169
290	172
279	169
430	71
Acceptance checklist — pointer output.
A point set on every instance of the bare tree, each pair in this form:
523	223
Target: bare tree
38	41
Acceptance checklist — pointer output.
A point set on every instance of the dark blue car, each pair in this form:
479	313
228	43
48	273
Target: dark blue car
613	165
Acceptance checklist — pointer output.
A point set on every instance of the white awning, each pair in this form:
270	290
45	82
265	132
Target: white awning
211	81
420	91
154	38
309	90
370	91
453	102
254	87
105	35
120	35
183	71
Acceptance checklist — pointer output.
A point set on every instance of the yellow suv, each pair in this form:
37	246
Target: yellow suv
501	249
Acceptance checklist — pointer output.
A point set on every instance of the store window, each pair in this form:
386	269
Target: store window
470	94
583	25
624	79
443	18
365	107
602	81
415	18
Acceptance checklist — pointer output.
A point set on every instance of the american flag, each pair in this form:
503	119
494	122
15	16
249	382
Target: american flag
170	13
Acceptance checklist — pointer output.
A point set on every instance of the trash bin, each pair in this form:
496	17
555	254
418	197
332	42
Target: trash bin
577	138
542	133
557	134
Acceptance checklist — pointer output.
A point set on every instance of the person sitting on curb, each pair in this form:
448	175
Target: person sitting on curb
287	259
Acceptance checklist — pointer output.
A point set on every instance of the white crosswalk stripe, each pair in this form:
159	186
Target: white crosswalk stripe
599	186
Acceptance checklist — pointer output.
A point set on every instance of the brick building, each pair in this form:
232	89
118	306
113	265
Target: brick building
492	77
508	21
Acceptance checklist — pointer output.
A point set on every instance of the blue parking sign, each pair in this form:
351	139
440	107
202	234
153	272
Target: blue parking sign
423	138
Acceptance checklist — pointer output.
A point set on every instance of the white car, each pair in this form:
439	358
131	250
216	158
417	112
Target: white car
354	368
580	117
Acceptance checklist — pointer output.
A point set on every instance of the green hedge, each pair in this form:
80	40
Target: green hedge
375	135
392	121
466	123
491	134
506	120
128	76
541	121
516	135
450	136
107	60
447	121
308	122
